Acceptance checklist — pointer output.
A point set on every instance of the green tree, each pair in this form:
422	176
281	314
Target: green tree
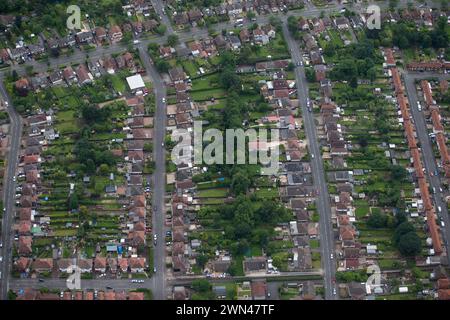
409	244
377	220
172	40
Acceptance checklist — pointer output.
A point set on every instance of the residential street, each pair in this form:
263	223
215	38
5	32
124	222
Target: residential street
9	189
159	176
427	153
318	172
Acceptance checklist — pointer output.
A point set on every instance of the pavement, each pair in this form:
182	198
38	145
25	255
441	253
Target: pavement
427	153
9	190
318	172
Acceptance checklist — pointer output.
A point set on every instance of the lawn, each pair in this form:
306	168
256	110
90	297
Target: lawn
203	95
213	193
118	83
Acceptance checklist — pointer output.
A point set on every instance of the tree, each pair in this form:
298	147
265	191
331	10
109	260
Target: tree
162	65
377	220
172	40
398	173
202	260
230	80
201	285
250	15
161	29
240	183
104	169
402	229
73	202
409	244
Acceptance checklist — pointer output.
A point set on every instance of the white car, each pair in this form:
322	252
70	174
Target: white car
164	100
312	155
334	291
14	178
1	258
331	256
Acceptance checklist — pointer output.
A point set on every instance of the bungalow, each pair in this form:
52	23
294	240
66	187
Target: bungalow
123	264
177	75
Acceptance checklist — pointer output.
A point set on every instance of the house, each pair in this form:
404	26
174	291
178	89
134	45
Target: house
137	264
69	75
84	76
22	86
180	18
22	264
100	264
235	42
25	245
42	265
123	264
100	34
342	23
84	37
177	75
115	33
179	293
255	265
65	265
56	77
259	289
84	265
194	15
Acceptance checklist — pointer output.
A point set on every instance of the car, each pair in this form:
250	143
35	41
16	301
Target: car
14	178
136	41
162	144
334	291
154	269
164	100
41	280
440	189
155	243
1	245
439	209
1	258
331	256
155	237
442	224
312	155
109	288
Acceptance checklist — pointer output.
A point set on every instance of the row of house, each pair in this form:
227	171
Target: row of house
34	294
231	9
438	128
80	75
29	222
416	161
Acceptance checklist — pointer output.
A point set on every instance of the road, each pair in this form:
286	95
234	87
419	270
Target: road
159	175
318	172
9	190
428	157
